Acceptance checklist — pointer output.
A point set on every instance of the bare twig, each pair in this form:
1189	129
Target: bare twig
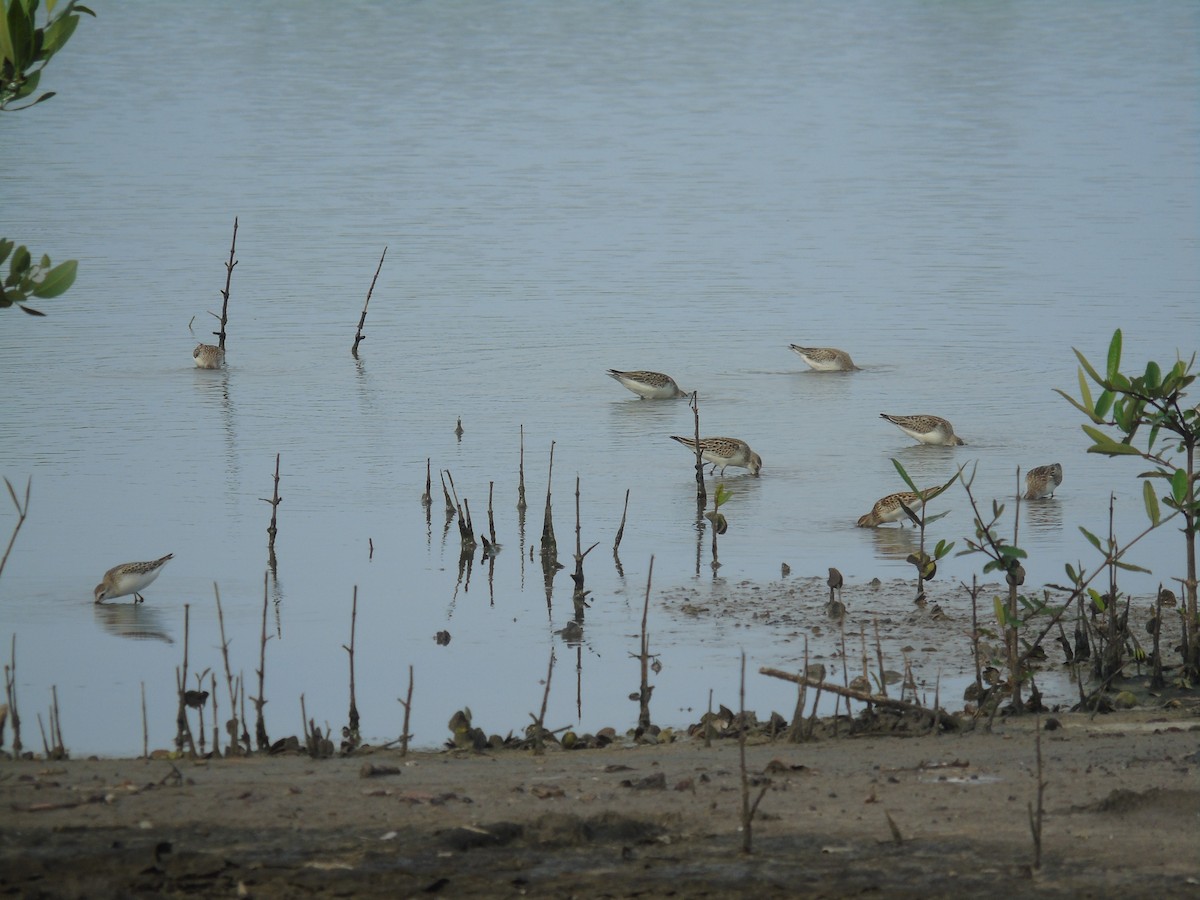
645	689
748	808
539	744
272	530
407	704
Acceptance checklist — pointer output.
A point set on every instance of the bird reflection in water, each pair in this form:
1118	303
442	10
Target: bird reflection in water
132	620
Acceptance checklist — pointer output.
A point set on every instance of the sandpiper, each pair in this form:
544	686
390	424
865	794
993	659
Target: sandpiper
889	508
926	429
208	357
1042	481
724	451
649	385
826	359
130	578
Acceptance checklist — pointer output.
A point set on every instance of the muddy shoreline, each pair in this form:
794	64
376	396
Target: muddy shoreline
930	815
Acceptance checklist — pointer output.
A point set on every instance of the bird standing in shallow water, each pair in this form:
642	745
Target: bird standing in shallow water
649	385
724	451
926	429
825	359
130	578
891	507
1041	481
208	357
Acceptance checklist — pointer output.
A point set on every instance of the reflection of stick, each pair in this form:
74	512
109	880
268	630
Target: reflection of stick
863	696
521	474
359	336
22	512
539	746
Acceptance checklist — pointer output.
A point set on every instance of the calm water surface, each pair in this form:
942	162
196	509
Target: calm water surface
956	194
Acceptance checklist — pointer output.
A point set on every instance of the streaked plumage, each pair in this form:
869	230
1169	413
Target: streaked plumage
826	359
926	429
649	385
888	509
208	357
724	451
1042	481
130	578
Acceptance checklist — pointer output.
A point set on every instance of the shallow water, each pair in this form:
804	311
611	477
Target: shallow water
956	195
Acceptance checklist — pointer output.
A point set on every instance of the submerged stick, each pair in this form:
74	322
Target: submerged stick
577	576
181	723
359	337
232	725
225	293
427	497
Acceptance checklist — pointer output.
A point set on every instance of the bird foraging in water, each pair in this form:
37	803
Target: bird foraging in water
208	357
724	451
825	359
130	578
891	507
649	385
926	429
1041	481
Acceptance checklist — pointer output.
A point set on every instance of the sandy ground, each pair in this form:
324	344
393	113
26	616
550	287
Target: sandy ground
930	815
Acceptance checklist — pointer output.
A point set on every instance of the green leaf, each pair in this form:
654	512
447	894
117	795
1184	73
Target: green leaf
929	520
1097	599
1151	500
942	549
1013	553
29	309
6	247
1092	539
903	474
1179	484
57	34
1114	355
60	278
1103	404
1085	392
20	263
1001	612
1072	575
20	37
28	86
1153	376
1092	373
1079	406
1129	567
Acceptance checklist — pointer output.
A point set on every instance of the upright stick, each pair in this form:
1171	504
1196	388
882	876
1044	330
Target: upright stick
359	337
225	293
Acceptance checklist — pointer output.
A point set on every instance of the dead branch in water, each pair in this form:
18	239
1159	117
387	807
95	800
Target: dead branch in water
577	575
549	544
10	692
359	337
521	474
407	703
539	722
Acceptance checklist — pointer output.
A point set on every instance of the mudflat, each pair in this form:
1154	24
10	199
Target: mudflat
921	815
